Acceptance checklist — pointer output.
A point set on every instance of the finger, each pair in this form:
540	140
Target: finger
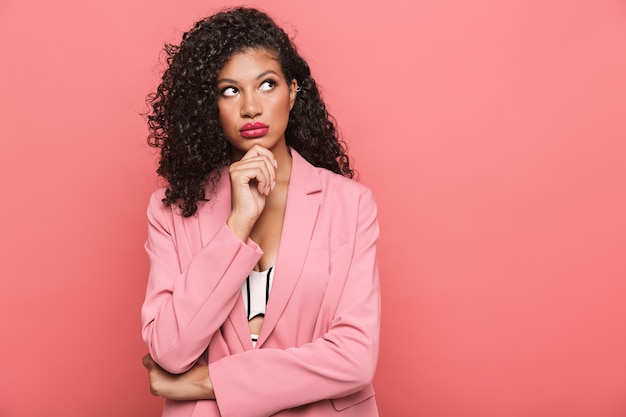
269	161
258	150
247	172
269	176
258	169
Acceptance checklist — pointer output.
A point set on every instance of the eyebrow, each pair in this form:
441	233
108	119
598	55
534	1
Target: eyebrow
261	75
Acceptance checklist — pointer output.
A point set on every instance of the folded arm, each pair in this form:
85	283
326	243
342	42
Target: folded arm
185	306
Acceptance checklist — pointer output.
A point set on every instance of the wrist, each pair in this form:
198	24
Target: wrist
205	388
241	229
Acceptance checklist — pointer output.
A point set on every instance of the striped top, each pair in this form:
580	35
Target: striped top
256	293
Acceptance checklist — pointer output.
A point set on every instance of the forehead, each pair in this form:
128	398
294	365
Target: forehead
250	63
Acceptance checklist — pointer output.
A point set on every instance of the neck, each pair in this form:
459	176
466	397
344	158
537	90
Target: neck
283	159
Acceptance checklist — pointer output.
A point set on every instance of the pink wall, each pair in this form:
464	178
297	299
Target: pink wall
493	134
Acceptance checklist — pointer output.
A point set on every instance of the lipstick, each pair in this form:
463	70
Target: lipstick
254	130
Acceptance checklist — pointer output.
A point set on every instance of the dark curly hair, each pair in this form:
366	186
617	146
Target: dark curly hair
183	118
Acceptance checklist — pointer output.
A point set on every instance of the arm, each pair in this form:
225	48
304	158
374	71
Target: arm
186	305
194	384
341	362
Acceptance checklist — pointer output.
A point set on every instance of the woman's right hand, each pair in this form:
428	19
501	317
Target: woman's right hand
251	180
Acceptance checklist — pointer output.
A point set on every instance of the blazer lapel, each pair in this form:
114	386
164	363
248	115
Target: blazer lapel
303	201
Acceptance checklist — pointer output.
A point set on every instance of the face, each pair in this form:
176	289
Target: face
254	101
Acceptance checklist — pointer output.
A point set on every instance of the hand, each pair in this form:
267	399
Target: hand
195	384
251	180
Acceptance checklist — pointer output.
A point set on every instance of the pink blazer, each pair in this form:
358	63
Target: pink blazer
317	350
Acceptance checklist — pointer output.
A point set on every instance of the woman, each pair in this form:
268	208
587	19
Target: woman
263	294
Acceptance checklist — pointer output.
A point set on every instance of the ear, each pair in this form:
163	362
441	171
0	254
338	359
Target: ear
293	85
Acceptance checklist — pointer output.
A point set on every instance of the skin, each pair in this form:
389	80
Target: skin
252	88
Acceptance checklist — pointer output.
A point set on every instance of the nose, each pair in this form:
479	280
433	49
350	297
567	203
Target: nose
251	105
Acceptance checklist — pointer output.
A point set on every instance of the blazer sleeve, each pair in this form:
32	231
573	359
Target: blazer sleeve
261	382
186	304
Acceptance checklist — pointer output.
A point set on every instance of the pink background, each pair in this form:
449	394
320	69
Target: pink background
492	133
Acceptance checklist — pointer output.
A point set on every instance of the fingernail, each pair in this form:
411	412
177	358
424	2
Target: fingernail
275	164
273	184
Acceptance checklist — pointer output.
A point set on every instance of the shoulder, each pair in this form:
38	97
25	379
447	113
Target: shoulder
216	188
157	196
156	202
332	180
346	196
348	206
159	214
311	178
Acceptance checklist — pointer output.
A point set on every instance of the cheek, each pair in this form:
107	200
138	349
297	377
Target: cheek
283	109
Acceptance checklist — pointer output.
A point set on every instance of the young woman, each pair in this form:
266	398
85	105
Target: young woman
263	295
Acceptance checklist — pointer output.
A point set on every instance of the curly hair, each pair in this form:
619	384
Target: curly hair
184	120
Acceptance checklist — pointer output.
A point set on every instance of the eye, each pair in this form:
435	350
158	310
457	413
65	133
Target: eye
229	91
267	85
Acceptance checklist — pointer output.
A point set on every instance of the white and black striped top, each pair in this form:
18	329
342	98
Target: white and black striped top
256	293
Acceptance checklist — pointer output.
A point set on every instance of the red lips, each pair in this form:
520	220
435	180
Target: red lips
254	130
